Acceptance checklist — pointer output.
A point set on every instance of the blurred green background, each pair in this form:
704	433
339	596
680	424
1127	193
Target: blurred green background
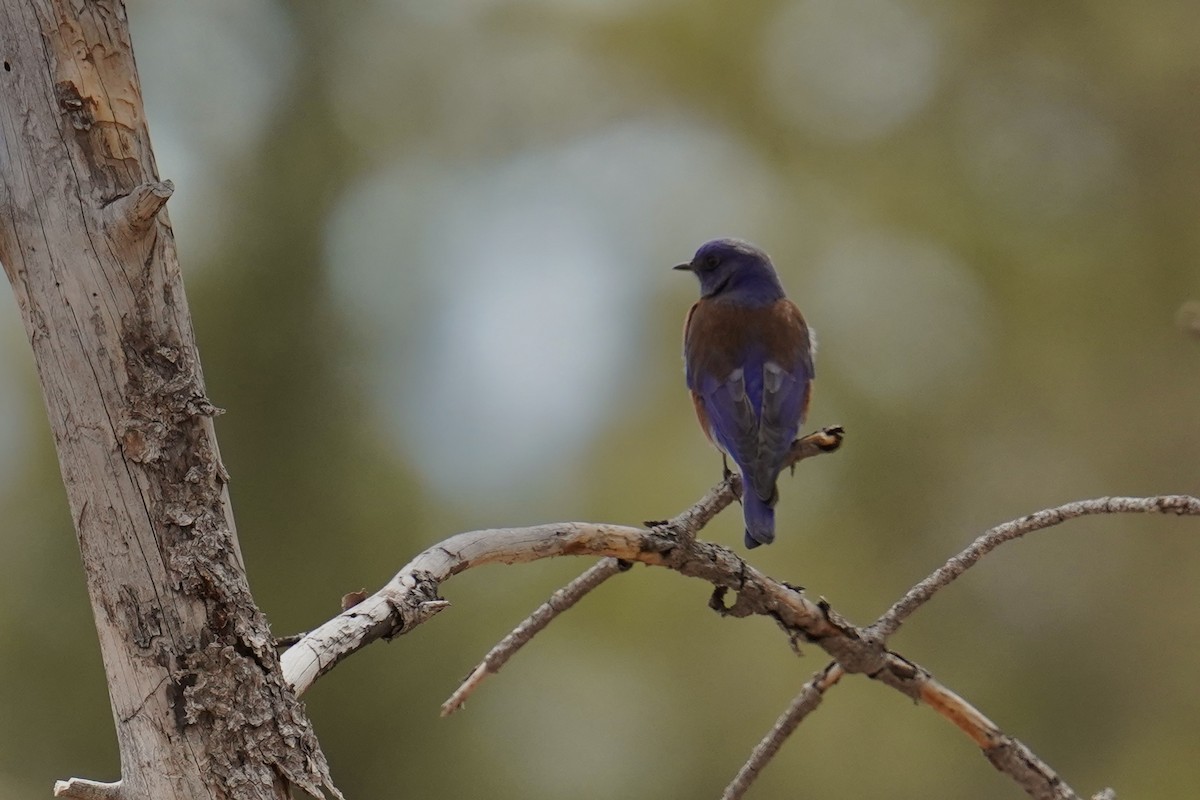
427	246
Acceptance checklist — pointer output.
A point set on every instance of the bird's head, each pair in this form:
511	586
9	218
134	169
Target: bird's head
735	269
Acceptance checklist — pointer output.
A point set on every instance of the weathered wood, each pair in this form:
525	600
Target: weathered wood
200	705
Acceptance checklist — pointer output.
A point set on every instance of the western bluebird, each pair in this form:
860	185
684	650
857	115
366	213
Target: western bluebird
748	357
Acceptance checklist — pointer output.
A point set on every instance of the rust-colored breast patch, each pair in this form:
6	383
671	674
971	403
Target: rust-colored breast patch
718	335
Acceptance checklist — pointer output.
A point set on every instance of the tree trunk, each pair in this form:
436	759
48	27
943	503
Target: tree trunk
200	705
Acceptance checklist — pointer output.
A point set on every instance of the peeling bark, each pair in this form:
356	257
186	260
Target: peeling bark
200	705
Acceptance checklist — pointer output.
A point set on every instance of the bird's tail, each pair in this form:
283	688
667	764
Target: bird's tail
759	515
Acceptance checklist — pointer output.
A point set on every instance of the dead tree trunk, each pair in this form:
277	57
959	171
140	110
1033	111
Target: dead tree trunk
200	705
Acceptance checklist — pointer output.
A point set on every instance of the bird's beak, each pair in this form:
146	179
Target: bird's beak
688	267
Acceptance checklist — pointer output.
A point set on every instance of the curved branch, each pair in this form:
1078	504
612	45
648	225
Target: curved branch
402	604
805	703
944	575
535	623
411	597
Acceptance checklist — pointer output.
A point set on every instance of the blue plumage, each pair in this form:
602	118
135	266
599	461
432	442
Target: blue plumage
749	365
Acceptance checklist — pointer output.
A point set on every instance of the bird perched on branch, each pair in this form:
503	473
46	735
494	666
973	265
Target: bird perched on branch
748	357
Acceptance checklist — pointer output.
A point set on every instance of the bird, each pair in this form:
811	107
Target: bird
748	361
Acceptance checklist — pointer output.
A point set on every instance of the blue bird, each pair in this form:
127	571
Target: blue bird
748	358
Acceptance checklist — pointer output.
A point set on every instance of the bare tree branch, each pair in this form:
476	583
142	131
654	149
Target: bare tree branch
1006	753
406	602
411	597
1002	750
890	622
807	701
506	648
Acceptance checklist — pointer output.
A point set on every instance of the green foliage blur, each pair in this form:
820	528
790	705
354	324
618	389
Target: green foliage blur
427	245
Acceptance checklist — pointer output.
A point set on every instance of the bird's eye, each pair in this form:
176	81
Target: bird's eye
711	261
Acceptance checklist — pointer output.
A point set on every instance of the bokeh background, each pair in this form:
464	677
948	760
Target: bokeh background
428	245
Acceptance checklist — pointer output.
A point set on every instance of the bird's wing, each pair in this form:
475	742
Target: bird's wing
751	386
787	376
725	410
785	396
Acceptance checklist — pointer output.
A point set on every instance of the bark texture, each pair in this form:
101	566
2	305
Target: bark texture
199	701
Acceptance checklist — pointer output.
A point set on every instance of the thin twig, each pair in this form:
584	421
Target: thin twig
507	647
809	698
944	575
